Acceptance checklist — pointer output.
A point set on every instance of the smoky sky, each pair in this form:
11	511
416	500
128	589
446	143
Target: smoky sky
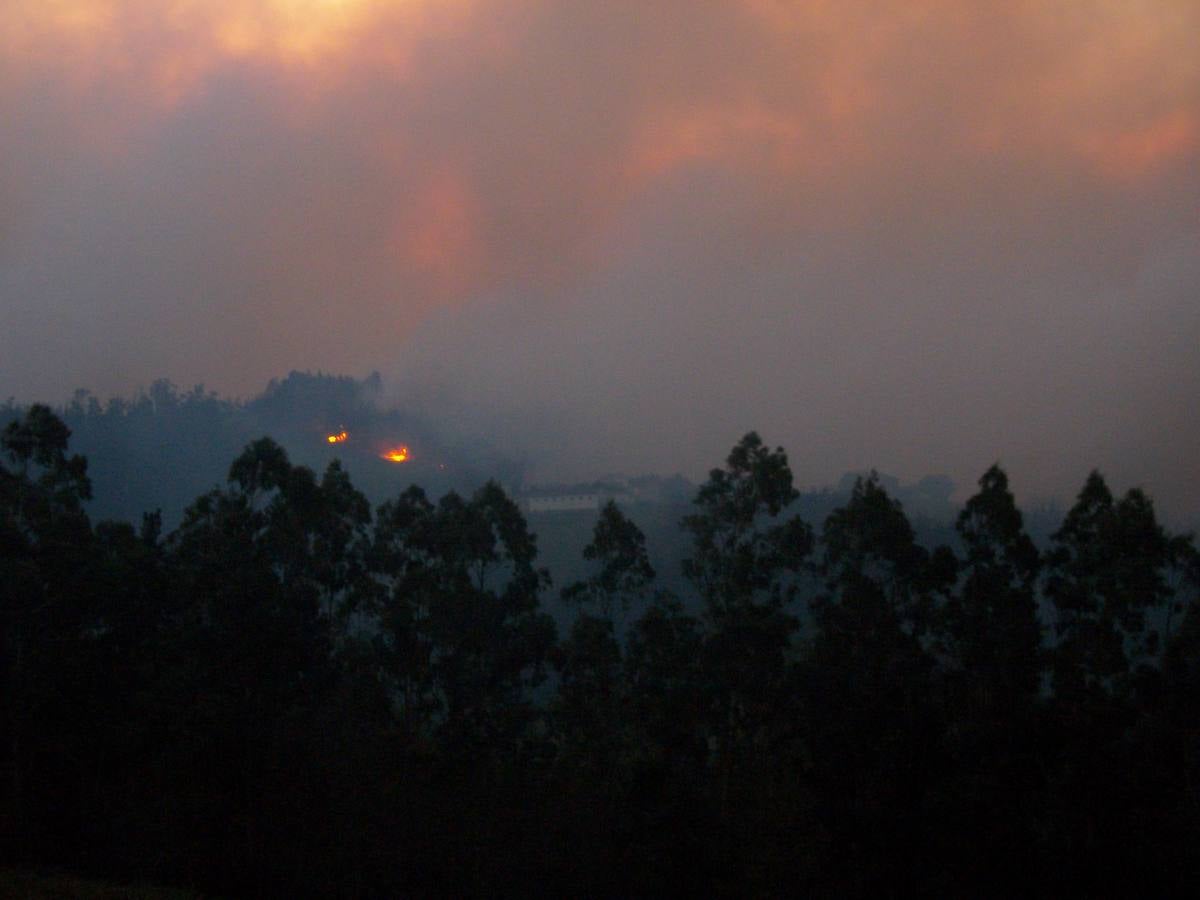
922	236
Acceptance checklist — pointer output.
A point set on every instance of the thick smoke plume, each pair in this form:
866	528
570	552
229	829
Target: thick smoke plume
923	236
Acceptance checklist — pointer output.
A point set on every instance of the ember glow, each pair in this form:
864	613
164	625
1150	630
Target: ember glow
340	438
395	454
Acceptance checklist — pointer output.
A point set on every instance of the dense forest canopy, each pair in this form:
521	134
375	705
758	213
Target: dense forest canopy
295	692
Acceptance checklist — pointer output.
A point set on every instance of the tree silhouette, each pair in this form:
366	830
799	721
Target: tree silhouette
992	623
625	573
46	562
748	557
1105	570
991	675
591	704
873	726
462	597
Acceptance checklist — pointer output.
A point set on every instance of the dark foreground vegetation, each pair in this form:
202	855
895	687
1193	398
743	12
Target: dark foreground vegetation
22	885
292	694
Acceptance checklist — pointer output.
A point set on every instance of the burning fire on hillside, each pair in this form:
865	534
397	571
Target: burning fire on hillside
395	454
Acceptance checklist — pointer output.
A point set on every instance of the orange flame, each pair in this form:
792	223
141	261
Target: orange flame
338	438
396	454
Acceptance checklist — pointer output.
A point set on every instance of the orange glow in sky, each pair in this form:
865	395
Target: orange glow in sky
494	157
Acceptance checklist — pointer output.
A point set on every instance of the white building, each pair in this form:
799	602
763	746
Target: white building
563	502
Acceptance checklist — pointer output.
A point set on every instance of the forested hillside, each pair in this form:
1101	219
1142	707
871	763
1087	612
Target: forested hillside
295	693
164	446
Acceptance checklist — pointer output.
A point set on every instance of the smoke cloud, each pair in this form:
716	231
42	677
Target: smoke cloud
917	235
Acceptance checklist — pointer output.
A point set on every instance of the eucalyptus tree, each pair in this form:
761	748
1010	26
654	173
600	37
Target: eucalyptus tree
592	703
462	628
46	606
749	553
991	623
1106	572
874	729
623	575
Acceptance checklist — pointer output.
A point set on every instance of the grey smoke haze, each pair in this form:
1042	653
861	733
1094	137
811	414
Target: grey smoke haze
615	236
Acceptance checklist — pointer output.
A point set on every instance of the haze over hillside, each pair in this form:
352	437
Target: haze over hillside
163	446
